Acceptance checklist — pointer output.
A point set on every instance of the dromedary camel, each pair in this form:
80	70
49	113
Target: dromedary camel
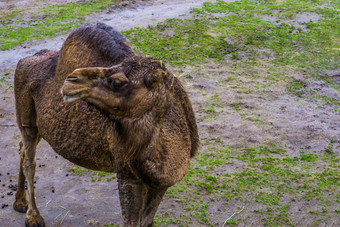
102	107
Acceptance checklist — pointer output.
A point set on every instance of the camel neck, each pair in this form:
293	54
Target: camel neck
135	135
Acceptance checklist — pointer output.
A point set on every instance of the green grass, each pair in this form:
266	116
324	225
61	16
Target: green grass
180	41
95	175
296	85
209	37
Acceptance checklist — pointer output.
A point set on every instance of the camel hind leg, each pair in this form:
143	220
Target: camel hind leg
26	118
21	203
30	138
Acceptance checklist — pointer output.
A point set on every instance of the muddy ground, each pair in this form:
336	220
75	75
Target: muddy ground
67	199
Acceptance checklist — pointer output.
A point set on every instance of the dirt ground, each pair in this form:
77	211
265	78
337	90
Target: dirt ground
67	199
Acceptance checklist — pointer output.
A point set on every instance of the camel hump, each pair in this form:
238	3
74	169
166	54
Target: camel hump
92	46
116	36
110	42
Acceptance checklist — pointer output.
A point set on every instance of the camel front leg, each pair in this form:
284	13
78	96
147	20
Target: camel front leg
153	199
30	140
138	201
132	194
21	203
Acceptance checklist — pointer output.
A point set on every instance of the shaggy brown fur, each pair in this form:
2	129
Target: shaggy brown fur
126	114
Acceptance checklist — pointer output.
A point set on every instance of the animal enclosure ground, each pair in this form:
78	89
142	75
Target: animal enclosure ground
31	20
264	81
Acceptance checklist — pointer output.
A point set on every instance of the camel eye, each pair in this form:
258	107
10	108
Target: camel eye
114	83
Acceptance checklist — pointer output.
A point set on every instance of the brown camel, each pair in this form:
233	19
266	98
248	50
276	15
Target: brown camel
104	108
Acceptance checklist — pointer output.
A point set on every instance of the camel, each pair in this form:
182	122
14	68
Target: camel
102	107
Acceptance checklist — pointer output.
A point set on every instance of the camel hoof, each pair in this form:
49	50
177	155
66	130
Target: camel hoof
36	222
20	208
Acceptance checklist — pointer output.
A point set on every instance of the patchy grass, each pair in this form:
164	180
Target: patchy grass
296	85
6	80
49	21
267	179
95	175
239	33
237	29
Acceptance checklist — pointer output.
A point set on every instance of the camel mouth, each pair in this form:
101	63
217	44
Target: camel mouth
71	98
71	95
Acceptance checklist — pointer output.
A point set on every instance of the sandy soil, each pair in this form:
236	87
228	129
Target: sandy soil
77	201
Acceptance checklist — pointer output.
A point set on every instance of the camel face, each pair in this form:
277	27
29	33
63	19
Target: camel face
111	89
91	83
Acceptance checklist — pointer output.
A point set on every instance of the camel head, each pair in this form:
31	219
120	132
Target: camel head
130	89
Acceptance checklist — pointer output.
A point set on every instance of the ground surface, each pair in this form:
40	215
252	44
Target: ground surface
270	131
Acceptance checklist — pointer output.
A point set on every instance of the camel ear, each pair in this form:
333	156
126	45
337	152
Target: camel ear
153	78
